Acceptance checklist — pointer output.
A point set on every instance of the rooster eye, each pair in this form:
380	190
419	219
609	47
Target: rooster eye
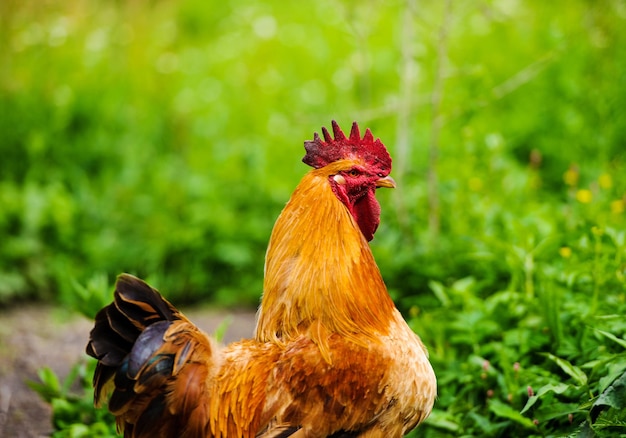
354	172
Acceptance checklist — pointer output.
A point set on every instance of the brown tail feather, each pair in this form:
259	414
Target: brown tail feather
135	307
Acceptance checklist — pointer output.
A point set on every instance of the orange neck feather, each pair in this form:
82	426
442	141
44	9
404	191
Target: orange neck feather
320	274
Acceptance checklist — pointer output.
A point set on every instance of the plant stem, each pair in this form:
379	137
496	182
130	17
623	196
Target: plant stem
403	129
434	213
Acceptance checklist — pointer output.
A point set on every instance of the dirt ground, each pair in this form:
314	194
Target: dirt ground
32	337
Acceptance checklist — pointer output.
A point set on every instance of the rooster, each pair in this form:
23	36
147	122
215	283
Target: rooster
331	356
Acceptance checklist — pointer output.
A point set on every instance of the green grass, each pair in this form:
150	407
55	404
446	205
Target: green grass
163	138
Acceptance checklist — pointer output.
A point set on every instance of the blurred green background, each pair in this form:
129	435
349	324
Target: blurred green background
162	138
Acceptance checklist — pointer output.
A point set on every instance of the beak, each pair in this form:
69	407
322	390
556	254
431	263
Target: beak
387	181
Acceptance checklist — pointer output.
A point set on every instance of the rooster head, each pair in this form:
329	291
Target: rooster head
355	167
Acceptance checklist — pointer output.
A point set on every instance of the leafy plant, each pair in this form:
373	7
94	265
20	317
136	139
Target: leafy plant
546	365
73	412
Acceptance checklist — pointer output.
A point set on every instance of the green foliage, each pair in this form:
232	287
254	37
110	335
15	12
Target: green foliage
130	143
74	415
511	385
544	361
162	139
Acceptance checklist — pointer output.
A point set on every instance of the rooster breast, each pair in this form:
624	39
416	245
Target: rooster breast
411	378
378	388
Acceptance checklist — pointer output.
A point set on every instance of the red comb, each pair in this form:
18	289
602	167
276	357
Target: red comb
321	153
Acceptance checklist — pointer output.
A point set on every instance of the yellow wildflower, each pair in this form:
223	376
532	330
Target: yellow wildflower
618	206
605	181
584	196
565	252
571	176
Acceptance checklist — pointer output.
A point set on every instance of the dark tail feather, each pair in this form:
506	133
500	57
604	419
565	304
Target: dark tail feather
155	361
154	370
142	304
136	306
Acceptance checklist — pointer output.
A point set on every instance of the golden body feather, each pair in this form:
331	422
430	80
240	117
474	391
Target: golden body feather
332	356
320	274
